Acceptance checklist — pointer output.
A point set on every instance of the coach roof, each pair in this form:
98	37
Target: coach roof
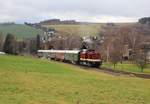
59	51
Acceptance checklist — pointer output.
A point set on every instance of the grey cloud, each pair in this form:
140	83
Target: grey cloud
34	10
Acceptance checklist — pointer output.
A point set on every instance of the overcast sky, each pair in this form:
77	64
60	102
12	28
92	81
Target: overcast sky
80	10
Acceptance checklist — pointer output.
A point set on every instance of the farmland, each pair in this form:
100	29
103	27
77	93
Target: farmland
88	29
78	29
25	80
20	30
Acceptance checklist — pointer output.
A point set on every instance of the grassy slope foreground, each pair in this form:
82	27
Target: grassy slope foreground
21	31
26	80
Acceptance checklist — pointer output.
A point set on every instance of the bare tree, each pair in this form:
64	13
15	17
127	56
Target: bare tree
134	39
140	60
65	40
73	42
1	41
113	42
116	52
130	35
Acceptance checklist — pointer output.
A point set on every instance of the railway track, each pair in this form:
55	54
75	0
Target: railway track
131	74
114	72
109	71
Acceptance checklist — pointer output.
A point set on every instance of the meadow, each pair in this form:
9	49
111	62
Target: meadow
25	80
78	29
20	30
88	29
127	66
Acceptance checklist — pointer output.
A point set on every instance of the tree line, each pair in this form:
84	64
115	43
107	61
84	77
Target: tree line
10	44
121	40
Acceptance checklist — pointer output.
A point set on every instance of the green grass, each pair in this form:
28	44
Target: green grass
127	67
20	30
81	30
25	80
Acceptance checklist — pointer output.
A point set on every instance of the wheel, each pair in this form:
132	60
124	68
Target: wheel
96	65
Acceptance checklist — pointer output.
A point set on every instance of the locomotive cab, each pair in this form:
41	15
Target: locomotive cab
91	58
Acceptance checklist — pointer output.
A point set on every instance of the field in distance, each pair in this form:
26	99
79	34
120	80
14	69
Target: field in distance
25	80
20	30
77	29
87	29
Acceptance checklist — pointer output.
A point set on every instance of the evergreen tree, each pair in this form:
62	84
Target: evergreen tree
10	45
1	41
38	42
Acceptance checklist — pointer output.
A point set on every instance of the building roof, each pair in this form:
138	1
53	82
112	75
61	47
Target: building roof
2	53
146	45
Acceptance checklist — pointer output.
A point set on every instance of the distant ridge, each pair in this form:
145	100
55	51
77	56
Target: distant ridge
57	21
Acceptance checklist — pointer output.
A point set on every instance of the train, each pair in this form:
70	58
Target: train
82	57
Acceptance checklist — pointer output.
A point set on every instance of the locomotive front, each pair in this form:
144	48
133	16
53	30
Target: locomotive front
91	58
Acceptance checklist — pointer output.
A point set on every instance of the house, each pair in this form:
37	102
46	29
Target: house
2	53
127	52
47	36
145	47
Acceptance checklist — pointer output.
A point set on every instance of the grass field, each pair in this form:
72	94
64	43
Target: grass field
90	29
127	67
82	29
25	80
20	30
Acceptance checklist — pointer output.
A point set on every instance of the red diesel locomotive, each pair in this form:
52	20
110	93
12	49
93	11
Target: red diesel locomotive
91	58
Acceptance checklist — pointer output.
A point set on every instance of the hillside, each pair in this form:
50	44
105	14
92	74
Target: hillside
20	30
26	80
78	29
85	29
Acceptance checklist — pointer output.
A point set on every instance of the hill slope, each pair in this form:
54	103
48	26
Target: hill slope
77	29
21	31
32	81
85	29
